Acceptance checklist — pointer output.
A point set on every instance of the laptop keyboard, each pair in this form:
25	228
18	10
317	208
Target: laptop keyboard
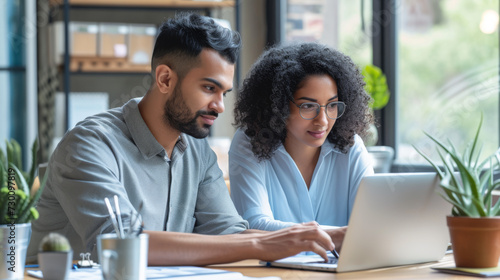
331	260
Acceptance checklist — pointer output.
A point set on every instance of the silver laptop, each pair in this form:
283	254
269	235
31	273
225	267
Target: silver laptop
397	219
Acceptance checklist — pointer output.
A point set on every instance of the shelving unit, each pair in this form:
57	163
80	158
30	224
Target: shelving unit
151	3
98	67
83	64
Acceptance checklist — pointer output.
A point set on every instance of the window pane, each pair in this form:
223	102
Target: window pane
4	107
355	38
12	33
447	74
14	86
4	50
337	23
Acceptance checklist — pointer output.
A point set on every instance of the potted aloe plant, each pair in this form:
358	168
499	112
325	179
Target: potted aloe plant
468	184
17	208
376	87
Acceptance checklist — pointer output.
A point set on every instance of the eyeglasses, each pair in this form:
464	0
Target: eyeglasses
310	110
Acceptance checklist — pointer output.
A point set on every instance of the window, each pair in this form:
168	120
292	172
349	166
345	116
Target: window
18	84
441	58
447	74
12	70
339	24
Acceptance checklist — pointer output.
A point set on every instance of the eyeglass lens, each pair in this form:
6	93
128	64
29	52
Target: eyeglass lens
310	110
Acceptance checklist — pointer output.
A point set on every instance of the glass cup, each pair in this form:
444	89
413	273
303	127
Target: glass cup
123	258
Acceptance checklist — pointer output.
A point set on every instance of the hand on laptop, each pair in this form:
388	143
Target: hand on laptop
293	240
337	235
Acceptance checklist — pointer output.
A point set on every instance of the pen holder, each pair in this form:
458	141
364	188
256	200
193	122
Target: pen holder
123	258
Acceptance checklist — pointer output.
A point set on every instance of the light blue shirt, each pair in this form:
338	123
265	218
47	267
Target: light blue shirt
271	194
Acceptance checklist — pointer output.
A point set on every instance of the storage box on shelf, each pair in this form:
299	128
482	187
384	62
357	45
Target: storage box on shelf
140	43
101	47
113	39
82	41
105	47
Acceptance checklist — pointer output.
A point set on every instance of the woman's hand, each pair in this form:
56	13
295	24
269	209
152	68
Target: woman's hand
337	235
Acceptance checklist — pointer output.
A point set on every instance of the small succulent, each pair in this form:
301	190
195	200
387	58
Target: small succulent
54	242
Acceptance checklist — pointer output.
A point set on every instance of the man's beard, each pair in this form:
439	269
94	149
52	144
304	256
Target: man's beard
176	113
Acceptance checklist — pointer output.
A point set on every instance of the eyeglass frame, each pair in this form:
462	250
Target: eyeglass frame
317	111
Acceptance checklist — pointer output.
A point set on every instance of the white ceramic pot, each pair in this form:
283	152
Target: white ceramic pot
382	158
55	265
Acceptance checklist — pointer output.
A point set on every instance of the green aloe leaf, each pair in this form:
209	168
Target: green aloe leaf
34	161
476	137
11	157
4	193
3	159
24	216
470	192
20	181
434	165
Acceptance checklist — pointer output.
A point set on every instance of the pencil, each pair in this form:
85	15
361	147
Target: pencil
119	217
112	217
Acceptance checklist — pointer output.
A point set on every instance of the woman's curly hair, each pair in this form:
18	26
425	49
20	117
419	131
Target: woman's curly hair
262	106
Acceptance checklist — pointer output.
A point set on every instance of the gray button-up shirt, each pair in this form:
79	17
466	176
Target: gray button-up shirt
114	153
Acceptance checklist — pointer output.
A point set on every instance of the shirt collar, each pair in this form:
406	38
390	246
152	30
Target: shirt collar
143	138
326	148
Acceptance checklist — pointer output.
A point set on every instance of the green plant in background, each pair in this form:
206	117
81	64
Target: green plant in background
470	192
376	86
17	205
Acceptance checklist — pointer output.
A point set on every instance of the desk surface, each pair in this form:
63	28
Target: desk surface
417	271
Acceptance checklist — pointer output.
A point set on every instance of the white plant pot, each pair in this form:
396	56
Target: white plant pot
382	158
55	265
14	240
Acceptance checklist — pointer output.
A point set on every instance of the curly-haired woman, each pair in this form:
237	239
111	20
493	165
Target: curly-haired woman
297	155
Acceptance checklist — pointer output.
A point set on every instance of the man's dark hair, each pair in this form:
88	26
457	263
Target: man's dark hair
181	39
262	106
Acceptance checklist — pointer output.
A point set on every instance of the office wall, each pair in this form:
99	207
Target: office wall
253	34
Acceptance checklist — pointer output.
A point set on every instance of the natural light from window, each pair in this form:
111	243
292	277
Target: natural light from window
447	75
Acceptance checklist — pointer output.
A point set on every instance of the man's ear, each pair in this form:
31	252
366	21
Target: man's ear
166	78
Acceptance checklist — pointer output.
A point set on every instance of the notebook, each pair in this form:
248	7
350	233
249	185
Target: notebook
163	272
397	219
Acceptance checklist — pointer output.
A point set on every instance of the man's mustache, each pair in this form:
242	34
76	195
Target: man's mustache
211	113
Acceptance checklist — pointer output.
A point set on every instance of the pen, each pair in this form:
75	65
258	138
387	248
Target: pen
335	253
112	216
137	218
140	229
119	216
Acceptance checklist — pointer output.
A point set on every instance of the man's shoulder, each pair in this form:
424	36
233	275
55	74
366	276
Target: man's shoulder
107	122
95	129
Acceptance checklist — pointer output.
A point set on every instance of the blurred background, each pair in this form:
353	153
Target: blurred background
61	61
